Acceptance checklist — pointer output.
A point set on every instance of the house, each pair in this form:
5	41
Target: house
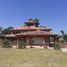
32	33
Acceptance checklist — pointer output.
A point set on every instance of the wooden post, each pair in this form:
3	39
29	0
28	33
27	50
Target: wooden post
44	43
49	41
30	42
17	43
24	39
54	40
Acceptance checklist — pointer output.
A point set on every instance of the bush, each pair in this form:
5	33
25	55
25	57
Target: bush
56	46
14	42
21	44
6	43
0	41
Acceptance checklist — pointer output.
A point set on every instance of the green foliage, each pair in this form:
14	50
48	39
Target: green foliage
63	37
30	19
36	20
1	28
6	30
0	41
62	32
56	46
6	43
61	40
14	42
21	44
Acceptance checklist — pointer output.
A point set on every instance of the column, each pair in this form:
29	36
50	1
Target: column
54	40
30	42
49	41
44	43
24	40
17	42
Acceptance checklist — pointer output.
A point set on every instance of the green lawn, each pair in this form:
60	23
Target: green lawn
10	57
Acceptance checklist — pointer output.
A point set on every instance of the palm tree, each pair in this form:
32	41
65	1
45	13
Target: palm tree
62	32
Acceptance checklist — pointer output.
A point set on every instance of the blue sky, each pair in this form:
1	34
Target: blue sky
51	13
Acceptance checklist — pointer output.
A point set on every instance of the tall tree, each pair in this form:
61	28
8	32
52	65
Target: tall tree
1	28
64	35
62	32
6	30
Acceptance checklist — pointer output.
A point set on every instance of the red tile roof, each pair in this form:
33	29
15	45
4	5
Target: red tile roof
38	32
31	28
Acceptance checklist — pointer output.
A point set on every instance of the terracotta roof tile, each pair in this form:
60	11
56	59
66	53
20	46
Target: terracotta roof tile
31	28
38	32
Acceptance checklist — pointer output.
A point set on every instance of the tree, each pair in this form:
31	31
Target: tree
21	44
6	30
1	28
36	20
56	46
62	32
10	28
63	36
6	43
30	19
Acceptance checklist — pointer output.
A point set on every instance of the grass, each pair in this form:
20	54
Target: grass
10	57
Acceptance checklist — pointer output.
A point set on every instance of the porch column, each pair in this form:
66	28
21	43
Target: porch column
17	42
49	41
24	40
30	42
44	43
54	40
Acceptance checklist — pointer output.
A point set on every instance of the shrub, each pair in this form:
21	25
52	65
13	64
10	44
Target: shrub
14	42
0	41
56	46
6	43
21	44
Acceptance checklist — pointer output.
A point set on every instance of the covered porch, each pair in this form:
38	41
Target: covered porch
37	41
33	38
